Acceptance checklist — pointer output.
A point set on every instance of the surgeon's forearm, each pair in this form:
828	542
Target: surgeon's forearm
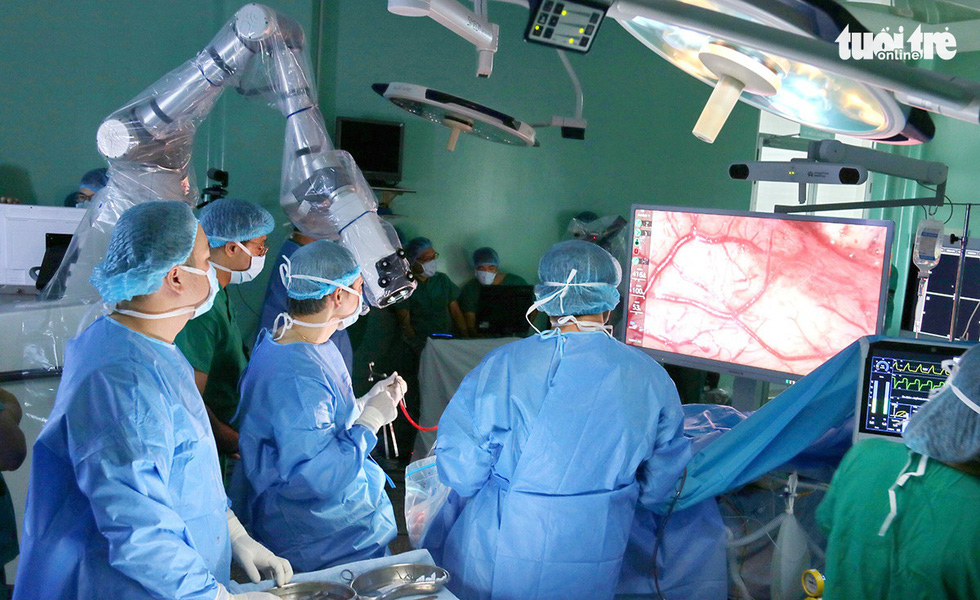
200	380
13	446
458	319
470	323
335	466
11	406
225	437
134	511
405	322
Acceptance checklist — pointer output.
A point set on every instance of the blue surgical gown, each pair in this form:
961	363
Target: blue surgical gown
126	499
556	441
276	301
310	491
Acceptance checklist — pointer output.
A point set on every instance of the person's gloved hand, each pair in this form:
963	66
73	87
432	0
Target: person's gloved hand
381	408
223	594
394	384
254	557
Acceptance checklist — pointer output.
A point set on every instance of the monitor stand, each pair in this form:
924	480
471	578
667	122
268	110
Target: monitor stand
748	394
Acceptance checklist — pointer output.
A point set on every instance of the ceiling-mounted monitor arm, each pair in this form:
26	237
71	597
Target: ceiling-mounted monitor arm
834	152
571	127
942	94
452	15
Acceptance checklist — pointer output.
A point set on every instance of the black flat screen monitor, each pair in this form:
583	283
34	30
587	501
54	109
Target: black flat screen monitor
501	310
375	145
55	247
933	315
896	379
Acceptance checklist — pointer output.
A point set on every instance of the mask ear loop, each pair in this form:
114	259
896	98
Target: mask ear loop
963	398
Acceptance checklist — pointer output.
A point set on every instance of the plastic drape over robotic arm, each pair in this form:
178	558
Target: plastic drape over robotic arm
148	145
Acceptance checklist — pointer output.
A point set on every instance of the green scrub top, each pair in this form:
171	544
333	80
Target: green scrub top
213	344
930	550
429	305
469	296
8	527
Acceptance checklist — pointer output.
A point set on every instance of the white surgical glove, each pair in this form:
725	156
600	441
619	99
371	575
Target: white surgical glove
253	556
393	385
223	594
381	408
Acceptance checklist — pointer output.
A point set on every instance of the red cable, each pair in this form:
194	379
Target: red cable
412	421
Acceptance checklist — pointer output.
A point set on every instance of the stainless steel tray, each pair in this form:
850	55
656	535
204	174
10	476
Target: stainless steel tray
400	581
314	590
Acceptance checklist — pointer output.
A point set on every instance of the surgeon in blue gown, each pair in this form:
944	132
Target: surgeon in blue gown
558	442
126	499
308	485
276	300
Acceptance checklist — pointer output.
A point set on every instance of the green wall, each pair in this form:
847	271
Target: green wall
958	144
638	147
67	65
70	64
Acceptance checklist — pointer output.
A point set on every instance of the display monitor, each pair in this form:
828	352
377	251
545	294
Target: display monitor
502	309
375	145
932	314
23	231
753	294
896	379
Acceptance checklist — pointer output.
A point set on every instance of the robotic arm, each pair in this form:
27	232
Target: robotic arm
148	145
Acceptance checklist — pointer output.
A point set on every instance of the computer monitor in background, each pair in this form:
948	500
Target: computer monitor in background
896	379
55	248
933	315
754	295
23	231
501	310
375	145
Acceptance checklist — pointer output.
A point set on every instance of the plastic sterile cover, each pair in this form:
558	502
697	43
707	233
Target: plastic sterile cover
148	144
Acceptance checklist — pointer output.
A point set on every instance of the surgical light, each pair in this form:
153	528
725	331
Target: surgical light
453	15
795	90
458	114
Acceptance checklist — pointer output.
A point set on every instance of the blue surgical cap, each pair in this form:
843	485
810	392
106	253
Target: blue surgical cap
485	256
417	246
95	180
149	239
947	427
322	259
592	265
233	220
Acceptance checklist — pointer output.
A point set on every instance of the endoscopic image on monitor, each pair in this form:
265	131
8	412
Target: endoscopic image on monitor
751	293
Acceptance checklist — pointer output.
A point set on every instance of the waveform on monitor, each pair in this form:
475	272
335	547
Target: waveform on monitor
915	384
920	368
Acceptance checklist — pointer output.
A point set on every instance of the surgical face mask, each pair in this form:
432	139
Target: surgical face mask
362	309
196	311
429	268
288	322
485	277
254	268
